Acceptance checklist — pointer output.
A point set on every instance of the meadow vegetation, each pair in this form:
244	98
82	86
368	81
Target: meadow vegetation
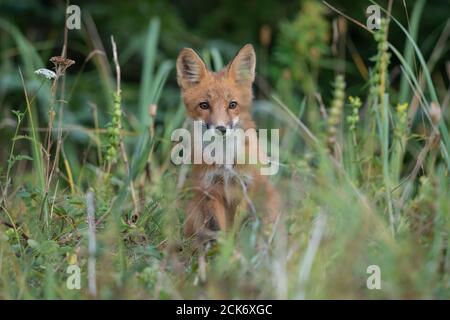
86	177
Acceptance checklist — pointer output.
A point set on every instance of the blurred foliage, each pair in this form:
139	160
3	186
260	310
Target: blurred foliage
302	44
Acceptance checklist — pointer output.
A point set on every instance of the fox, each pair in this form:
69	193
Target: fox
222	101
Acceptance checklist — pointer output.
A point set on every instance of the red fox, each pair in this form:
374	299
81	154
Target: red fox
222	101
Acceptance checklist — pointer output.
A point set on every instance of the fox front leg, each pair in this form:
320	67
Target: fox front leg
206	215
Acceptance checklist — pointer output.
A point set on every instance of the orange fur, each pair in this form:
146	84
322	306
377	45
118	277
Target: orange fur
219	191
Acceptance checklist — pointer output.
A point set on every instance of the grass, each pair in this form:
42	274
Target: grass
362	184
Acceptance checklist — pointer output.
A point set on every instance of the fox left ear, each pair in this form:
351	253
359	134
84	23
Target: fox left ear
190	68
242	67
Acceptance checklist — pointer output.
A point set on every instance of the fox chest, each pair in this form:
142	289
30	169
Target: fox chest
227	180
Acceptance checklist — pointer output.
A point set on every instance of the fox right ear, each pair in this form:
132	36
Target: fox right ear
190	68
242	67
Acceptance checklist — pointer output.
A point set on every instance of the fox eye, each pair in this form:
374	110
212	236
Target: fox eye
232	105
204	105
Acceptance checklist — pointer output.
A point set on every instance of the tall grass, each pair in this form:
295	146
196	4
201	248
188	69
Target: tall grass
364	181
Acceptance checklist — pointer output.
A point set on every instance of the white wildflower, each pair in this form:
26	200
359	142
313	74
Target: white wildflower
49	74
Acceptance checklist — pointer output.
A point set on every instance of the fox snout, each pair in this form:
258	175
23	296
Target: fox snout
221	129
222	126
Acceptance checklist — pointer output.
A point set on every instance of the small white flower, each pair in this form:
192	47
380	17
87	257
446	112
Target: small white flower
49	74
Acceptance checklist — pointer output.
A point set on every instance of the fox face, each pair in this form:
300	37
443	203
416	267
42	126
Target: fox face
220	100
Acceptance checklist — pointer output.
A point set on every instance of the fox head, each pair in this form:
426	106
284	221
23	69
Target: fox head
220	100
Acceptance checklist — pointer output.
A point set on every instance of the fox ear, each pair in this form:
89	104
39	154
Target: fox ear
190	68
242	67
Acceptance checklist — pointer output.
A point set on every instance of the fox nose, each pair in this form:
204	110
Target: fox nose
221	129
